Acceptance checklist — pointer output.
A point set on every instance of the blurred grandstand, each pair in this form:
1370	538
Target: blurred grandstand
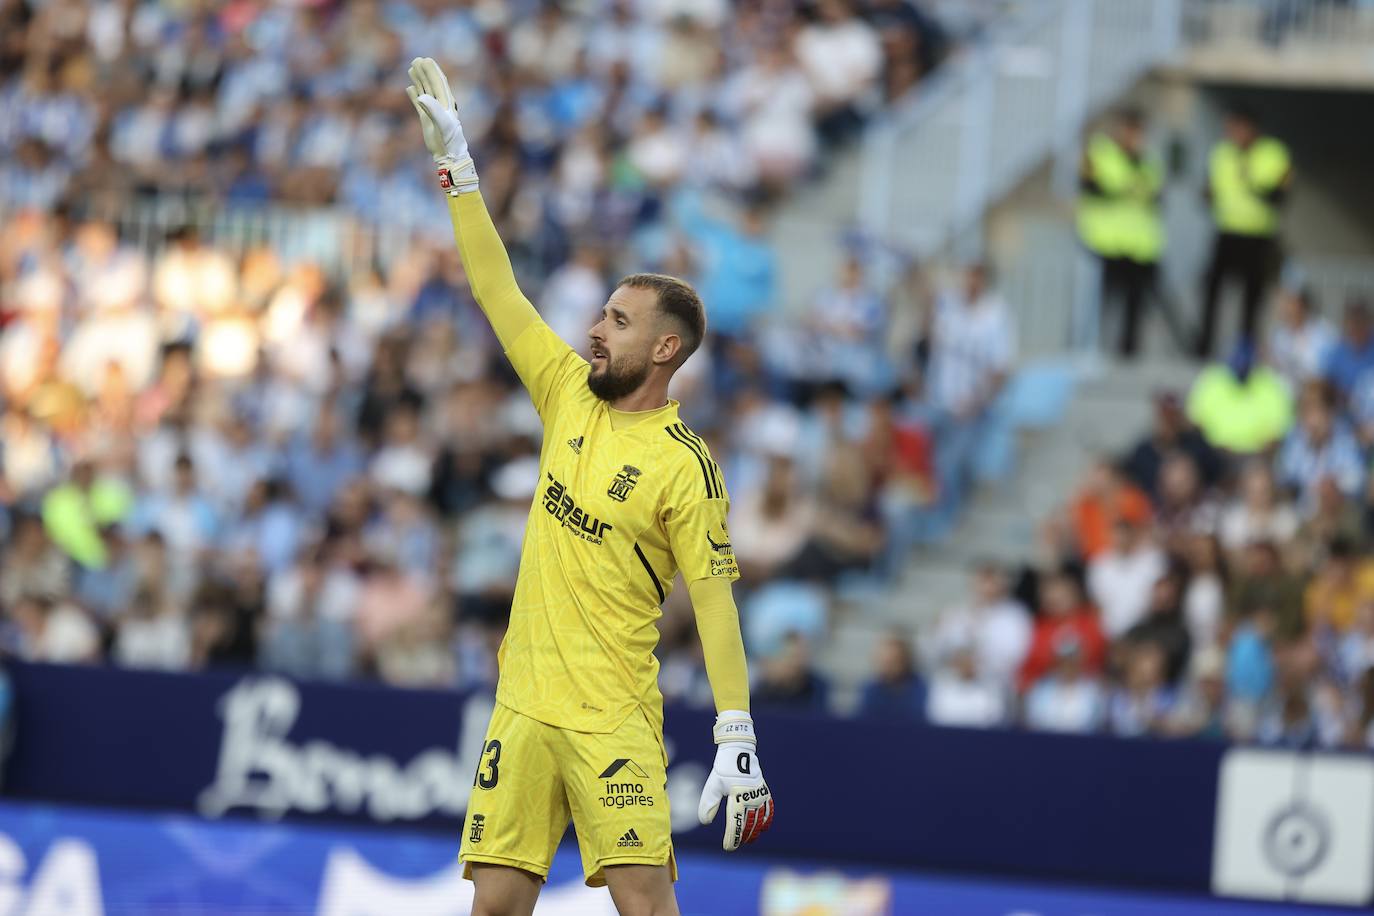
253	420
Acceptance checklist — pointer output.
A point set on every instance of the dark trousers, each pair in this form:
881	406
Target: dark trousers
1127	282
1249	259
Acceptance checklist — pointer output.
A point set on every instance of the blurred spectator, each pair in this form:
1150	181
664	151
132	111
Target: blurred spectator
74	513
736	273
1301	340
318	464
1105	501
1204	598
1170	434
32	566
42	629
781	609
896	693
900	452
992	625
1353	354
843	337
223	630
390	598
789	681
1250	667
1239	406
1164	625
1343	584
1121	579
1144	702
1362	725
1068	699
1301	713
154	633
1249	174
1256	514
772	523
1321	446
841	57
1201	709
1184	507
186	522
109	591
419	654
1335	517
962	695
772	100
308	633
1064	617
1262	584
971	340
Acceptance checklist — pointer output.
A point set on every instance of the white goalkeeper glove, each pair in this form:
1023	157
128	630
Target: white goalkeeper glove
429	92
737	779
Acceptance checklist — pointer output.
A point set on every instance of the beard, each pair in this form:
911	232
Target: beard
619	378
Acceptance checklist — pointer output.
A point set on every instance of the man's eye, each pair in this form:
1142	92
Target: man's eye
620	322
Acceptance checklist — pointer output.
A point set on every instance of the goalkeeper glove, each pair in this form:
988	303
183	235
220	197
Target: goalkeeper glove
429	92
737	779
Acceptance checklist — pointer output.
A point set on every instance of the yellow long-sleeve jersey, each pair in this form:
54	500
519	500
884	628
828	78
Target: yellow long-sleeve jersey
625	501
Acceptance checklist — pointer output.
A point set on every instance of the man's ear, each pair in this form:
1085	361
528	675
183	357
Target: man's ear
667	349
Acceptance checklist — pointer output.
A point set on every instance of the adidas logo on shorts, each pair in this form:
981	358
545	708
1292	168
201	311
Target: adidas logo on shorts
630	839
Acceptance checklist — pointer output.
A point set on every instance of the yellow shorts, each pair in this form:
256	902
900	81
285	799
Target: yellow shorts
532	777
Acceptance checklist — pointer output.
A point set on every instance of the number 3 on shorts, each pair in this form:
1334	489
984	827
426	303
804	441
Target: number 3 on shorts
487	770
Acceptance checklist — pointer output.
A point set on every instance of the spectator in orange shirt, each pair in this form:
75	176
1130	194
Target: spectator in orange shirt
1105	499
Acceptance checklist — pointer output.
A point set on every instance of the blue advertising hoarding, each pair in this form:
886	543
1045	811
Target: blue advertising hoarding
235	749
873	792
82	862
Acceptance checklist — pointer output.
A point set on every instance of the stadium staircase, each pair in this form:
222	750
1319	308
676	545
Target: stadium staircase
920	186
926	178
1106	413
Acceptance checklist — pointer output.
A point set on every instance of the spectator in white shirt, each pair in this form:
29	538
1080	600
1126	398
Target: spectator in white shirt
961	696
156	634
60	632
1300	339
1120	580
992	623
772	99
842	57
1256	514
972	342
1321	445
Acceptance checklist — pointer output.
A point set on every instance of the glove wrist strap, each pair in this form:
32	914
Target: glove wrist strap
456	176
733	725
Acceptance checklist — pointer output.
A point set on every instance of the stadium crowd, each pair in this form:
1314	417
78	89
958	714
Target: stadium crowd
1215	580
211	456
216	457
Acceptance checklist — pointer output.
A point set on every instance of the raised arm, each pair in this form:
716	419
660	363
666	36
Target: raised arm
484	256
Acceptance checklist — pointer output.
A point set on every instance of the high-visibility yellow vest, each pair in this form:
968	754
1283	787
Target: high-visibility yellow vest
1242	417
1240	180
1122	221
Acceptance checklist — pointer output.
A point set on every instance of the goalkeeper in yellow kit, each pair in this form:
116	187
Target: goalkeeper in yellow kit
628	496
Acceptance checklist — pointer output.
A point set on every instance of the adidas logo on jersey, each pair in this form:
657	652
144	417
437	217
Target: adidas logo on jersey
576	444
630	839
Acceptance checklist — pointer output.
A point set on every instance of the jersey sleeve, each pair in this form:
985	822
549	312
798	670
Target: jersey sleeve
547	366
700	540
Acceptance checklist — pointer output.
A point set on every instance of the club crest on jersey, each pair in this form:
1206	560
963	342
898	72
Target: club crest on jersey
624	483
